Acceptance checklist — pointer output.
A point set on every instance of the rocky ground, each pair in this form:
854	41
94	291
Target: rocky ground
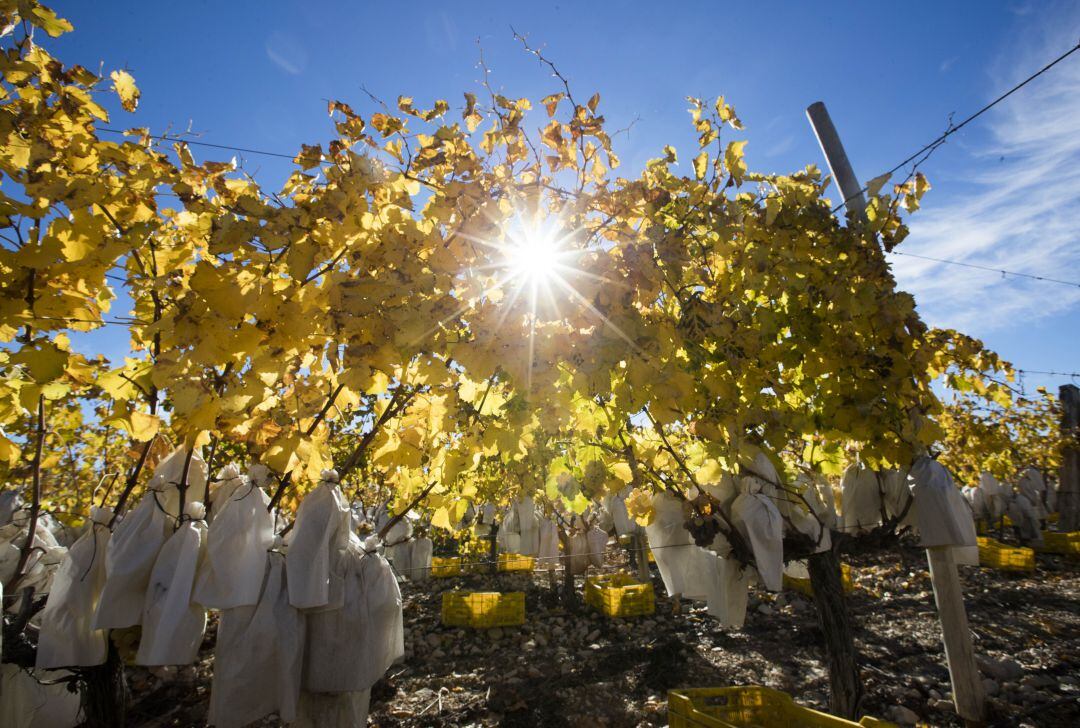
576	668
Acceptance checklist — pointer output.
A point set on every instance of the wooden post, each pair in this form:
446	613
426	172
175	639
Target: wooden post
1069	474
968	693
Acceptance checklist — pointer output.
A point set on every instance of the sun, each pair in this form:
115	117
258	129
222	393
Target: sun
535	254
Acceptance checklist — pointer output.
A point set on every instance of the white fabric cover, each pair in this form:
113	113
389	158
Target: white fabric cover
507	541
896	492
236	544
10	501
27	702
173	625
670	542
166	479
317	546
398	548
942	514
133	549
350	648
228	481
39	566
259	656
547	556
333	710
1025	518
615	505
1033	487
528	526
996	496
860	507
420	559
579	549
758	521
597	544
67	637
728	592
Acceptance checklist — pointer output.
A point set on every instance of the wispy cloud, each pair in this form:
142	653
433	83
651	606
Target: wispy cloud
948	63
286	53
1021	207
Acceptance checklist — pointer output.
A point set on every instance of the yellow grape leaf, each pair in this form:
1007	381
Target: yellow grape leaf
45	364
9	451
125	88
701	165
144	426
622	472
441	519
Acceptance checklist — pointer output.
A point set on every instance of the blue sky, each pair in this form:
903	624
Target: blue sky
1006	190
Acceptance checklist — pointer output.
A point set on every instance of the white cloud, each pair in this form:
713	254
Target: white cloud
286	53
1020	209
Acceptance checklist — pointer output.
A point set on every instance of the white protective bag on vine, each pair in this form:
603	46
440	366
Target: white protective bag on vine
508	538
420	559
996	496
1022	513
228	481
167	476
67	637
236	544
942	514
398	547
758	521
173	625
578	560
333	710
317	545
596	541
807	513
670	542
133	548
10	501
1033	487
896	493
547	556
36	699
350	648
259	657
860	508
40	564
528	526
615	505
728	593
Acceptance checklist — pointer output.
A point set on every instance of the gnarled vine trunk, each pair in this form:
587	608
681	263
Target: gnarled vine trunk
105	692
845	685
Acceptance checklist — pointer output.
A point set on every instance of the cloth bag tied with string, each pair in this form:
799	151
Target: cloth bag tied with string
259	656
338	673
173	625
943	516
860	507
317	543
232	574
67	637
139	535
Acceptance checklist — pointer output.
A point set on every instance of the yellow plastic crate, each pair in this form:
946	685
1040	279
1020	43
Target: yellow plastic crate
516	562
483	609
619	595
803	585
442	567
750	707
1007	558
1057	542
